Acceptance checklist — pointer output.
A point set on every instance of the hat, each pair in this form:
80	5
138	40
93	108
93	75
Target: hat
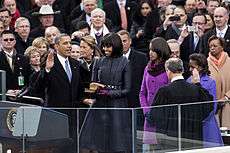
46	10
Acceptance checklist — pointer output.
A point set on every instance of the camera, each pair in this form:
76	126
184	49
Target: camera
191	28
174	18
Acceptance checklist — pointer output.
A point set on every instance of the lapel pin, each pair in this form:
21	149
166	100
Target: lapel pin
227	40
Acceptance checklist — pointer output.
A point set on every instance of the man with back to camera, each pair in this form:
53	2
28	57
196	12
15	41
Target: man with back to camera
181	93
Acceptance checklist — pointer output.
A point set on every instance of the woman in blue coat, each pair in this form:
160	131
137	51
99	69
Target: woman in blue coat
211	132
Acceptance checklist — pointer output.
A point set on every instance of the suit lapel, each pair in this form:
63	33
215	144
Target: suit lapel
59	68
5	62
75	71
227	35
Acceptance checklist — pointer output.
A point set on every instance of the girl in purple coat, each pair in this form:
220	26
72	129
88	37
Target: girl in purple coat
154	77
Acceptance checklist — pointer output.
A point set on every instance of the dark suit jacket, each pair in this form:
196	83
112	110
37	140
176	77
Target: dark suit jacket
167	34
187	47
206	36
166	118
21	64
60	92
113	13
21	45
137	61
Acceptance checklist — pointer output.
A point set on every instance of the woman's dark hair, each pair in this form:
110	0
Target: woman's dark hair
138	17
113	40
161	47
214	37
201	61
82	25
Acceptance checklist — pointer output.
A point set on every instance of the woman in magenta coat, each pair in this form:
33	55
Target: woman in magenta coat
154	77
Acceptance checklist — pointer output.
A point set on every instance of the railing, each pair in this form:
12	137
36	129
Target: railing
31	128
176	127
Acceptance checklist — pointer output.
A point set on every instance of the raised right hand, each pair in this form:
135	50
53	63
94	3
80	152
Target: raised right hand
50	61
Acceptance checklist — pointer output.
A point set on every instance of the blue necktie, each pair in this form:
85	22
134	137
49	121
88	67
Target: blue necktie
68	71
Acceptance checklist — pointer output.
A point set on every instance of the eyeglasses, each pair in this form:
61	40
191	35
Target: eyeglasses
8	39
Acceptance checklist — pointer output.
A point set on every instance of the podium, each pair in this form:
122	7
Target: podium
40	128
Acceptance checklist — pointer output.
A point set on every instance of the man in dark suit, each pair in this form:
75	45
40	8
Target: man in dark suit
112	10
63	82
137	61
190	39
171	28
22	29
221	17
17	66
62	76
88	7
181	93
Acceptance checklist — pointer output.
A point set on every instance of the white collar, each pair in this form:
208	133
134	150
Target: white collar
104	31
88	19
9	54
99	31
81	6
123	1
62	60
222	31
180	77
127	54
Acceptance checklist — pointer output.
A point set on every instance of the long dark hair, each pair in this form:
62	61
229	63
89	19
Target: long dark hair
161	47
138	17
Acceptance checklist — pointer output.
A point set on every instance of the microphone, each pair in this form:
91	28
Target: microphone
23	92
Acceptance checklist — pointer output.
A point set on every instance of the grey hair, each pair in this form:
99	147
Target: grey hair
173	41
174	65
98	10
20	19
58	37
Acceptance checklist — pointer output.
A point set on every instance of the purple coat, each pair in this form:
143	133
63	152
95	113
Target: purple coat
149	87
211	131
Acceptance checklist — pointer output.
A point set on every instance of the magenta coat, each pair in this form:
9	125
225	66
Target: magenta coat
149	87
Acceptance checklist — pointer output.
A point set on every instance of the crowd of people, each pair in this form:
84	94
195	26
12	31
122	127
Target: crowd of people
141	53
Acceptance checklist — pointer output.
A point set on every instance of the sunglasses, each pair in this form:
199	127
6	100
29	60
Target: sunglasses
9	39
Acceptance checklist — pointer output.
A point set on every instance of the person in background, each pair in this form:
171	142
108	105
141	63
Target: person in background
174	46
17	66
43	47
22	31
46	17
6	18
50	34
98	29
75	50
137	28
82	29
210	23
154	78
211	131
34	56
12	7
89	53
219	63
137	61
